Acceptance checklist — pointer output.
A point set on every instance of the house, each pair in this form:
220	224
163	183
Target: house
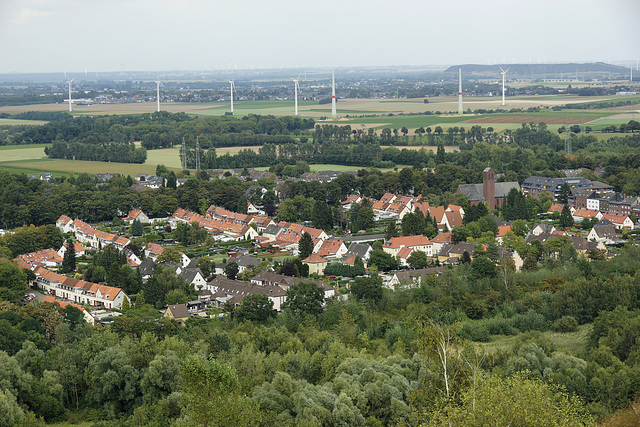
450	252
136	214
359	249
316	264
440	240
64	304
418	243
146	268
78	291
403	256
502	232
536	185
268	278
64	223
330	248
178	312
542	228
194	277
581	214
43	258
490	192
555	207
349	201
77	246
412	278
620	222
233	291
603	233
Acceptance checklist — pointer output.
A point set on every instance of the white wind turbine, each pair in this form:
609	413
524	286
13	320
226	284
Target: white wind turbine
70	81
232	86
334	113
504	73
158	84
296	87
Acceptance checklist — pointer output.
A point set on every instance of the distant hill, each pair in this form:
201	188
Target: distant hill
540	70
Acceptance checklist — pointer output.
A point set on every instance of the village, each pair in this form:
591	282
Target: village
256	245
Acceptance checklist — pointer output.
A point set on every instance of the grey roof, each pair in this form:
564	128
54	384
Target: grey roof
245	261
410	275
147	266
475	192
358	249
272	230
545	227
190	274
457	249
605	231
179	311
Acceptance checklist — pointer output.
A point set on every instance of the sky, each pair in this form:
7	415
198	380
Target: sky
162	35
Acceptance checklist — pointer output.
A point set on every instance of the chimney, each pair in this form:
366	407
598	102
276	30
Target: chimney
489	187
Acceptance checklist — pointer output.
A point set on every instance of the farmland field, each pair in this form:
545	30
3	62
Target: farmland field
14	122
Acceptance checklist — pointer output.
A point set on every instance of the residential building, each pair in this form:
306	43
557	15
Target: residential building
418	243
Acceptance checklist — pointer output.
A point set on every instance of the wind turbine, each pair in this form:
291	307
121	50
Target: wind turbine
158	83
232	85
334	114
295	91
504	73
459	90
70	81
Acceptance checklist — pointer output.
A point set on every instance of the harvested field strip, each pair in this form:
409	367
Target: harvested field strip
532	119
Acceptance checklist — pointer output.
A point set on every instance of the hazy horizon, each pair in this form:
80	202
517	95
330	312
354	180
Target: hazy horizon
146	35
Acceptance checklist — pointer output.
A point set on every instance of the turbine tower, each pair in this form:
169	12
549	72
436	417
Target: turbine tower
504	73
459	90
334	114
70	81
295	91
158	83
232	85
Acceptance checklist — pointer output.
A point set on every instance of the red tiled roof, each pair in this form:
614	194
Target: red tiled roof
408	241
442	238
314	259
404	252
503	230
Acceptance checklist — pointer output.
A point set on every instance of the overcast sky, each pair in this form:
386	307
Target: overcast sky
112	35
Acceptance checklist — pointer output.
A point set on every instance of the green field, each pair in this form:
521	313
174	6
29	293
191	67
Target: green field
568	342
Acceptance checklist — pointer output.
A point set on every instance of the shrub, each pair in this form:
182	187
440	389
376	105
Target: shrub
530	321
565	324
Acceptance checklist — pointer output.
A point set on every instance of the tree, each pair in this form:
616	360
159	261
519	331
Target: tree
169	255
440	153
171	180
515	400
255	308
566	219
391	230
304	298
69	259
563	196
231	270
369	288
136	228
417	260
211	394
382	260
305	246
365	215
13	281
205	264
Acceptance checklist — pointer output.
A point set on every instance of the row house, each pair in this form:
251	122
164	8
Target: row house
448	217
84	233
233	228
78	291
136	214
43	258
418	243
229	216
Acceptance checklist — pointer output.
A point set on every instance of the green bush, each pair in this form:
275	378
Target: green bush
565	324
530	321
475	331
